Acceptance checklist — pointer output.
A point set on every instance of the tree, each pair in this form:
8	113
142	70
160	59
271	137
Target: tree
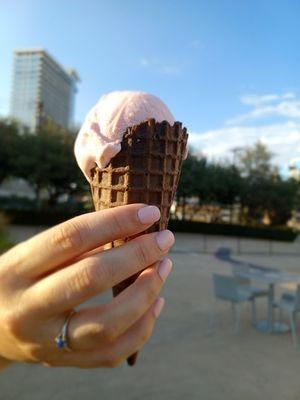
202	181
225	183
264	191
258	173
256	161
46	160
9	138
187	183
282	201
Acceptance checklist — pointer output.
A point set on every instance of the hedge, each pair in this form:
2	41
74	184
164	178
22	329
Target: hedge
259	232
47	217
51	217
4	243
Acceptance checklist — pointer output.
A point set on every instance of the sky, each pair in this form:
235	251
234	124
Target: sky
228	69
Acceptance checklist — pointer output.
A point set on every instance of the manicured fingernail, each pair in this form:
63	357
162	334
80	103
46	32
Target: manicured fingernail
159	305
165	239
148	214
164	268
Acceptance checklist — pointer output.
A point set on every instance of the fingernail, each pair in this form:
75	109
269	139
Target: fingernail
148	214
164	268
165	239
159	305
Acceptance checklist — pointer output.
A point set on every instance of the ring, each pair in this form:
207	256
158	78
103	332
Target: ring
61	339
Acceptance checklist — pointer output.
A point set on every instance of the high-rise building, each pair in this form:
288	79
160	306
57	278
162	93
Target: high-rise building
42	90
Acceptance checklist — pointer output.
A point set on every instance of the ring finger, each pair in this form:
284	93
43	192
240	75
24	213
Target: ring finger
98	327
67	288
91	327
111	356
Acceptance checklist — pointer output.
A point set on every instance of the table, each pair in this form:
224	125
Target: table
271	279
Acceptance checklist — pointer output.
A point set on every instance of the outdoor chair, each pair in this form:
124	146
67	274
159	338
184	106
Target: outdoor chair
226	288
245	282
290	303
245	286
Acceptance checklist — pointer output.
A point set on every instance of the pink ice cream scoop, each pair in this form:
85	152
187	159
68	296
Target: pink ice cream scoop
100	136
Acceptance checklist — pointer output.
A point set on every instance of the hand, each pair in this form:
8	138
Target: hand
44	278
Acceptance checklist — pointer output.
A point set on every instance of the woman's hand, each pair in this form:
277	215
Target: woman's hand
43	279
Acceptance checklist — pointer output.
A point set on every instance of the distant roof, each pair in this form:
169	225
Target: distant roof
39	50
74	74
30	50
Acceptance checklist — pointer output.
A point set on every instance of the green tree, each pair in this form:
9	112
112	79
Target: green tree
9	138
256	161
264	191
46	160
282	201
187	183
202	180
225	183
211	183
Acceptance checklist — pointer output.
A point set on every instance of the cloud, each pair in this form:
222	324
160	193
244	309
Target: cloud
144	62
169	70
281	137
270	105
195	44
282	140
289	95
255	100
158	66
258	100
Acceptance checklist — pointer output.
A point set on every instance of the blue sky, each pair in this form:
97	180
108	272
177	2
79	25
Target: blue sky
229	69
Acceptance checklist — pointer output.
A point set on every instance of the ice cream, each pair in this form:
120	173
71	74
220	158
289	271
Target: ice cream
131	150
99	138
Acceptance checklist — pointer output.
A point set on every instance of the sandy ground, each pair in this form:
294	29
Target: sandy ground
185	359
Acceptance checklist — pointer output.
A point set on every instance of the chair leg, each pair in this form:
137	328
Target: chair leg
233	311
212	318
293	328
280	315
237	311
254	319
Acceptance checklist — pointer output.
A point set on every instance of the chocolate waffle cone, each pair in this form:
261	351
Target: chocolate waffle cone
146	170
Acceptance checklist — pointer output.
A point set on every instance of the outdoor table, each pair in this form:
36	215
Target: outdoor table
271	279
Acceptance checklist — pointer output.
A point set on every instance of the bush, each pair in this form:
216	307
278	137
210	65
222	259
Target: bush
281	234
3	223
4	242
44	217
17	203
52	216
25	211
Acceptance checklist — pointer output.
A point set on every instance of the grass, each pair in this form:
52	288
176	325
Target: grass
5	244
4	241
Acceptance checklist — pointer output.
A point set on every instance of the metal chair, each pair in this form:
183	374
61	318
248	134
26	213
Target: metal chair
227	288
290	303
245	283
245	286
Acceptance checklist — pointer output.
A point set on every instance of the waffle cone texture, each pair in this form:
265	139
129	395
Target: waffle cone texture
146	170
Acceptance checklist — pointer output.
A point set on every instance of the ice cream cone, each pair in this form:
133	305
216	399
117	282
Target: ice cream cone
146	170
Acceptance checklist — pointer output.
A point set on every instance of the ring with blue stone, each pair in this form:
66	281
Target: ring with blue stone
61	339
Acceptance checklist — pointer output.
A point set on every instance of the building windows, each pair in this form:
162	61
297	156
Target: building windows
38	78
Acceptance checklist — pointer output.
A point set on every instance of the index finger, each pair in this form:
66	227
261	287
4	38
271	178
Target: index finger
66	241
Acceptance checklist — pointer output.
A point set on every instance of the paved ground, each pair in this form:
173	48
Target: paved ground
185	359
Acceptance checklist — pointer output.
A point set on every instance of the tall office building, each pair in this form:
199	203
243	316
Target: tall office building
42	89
